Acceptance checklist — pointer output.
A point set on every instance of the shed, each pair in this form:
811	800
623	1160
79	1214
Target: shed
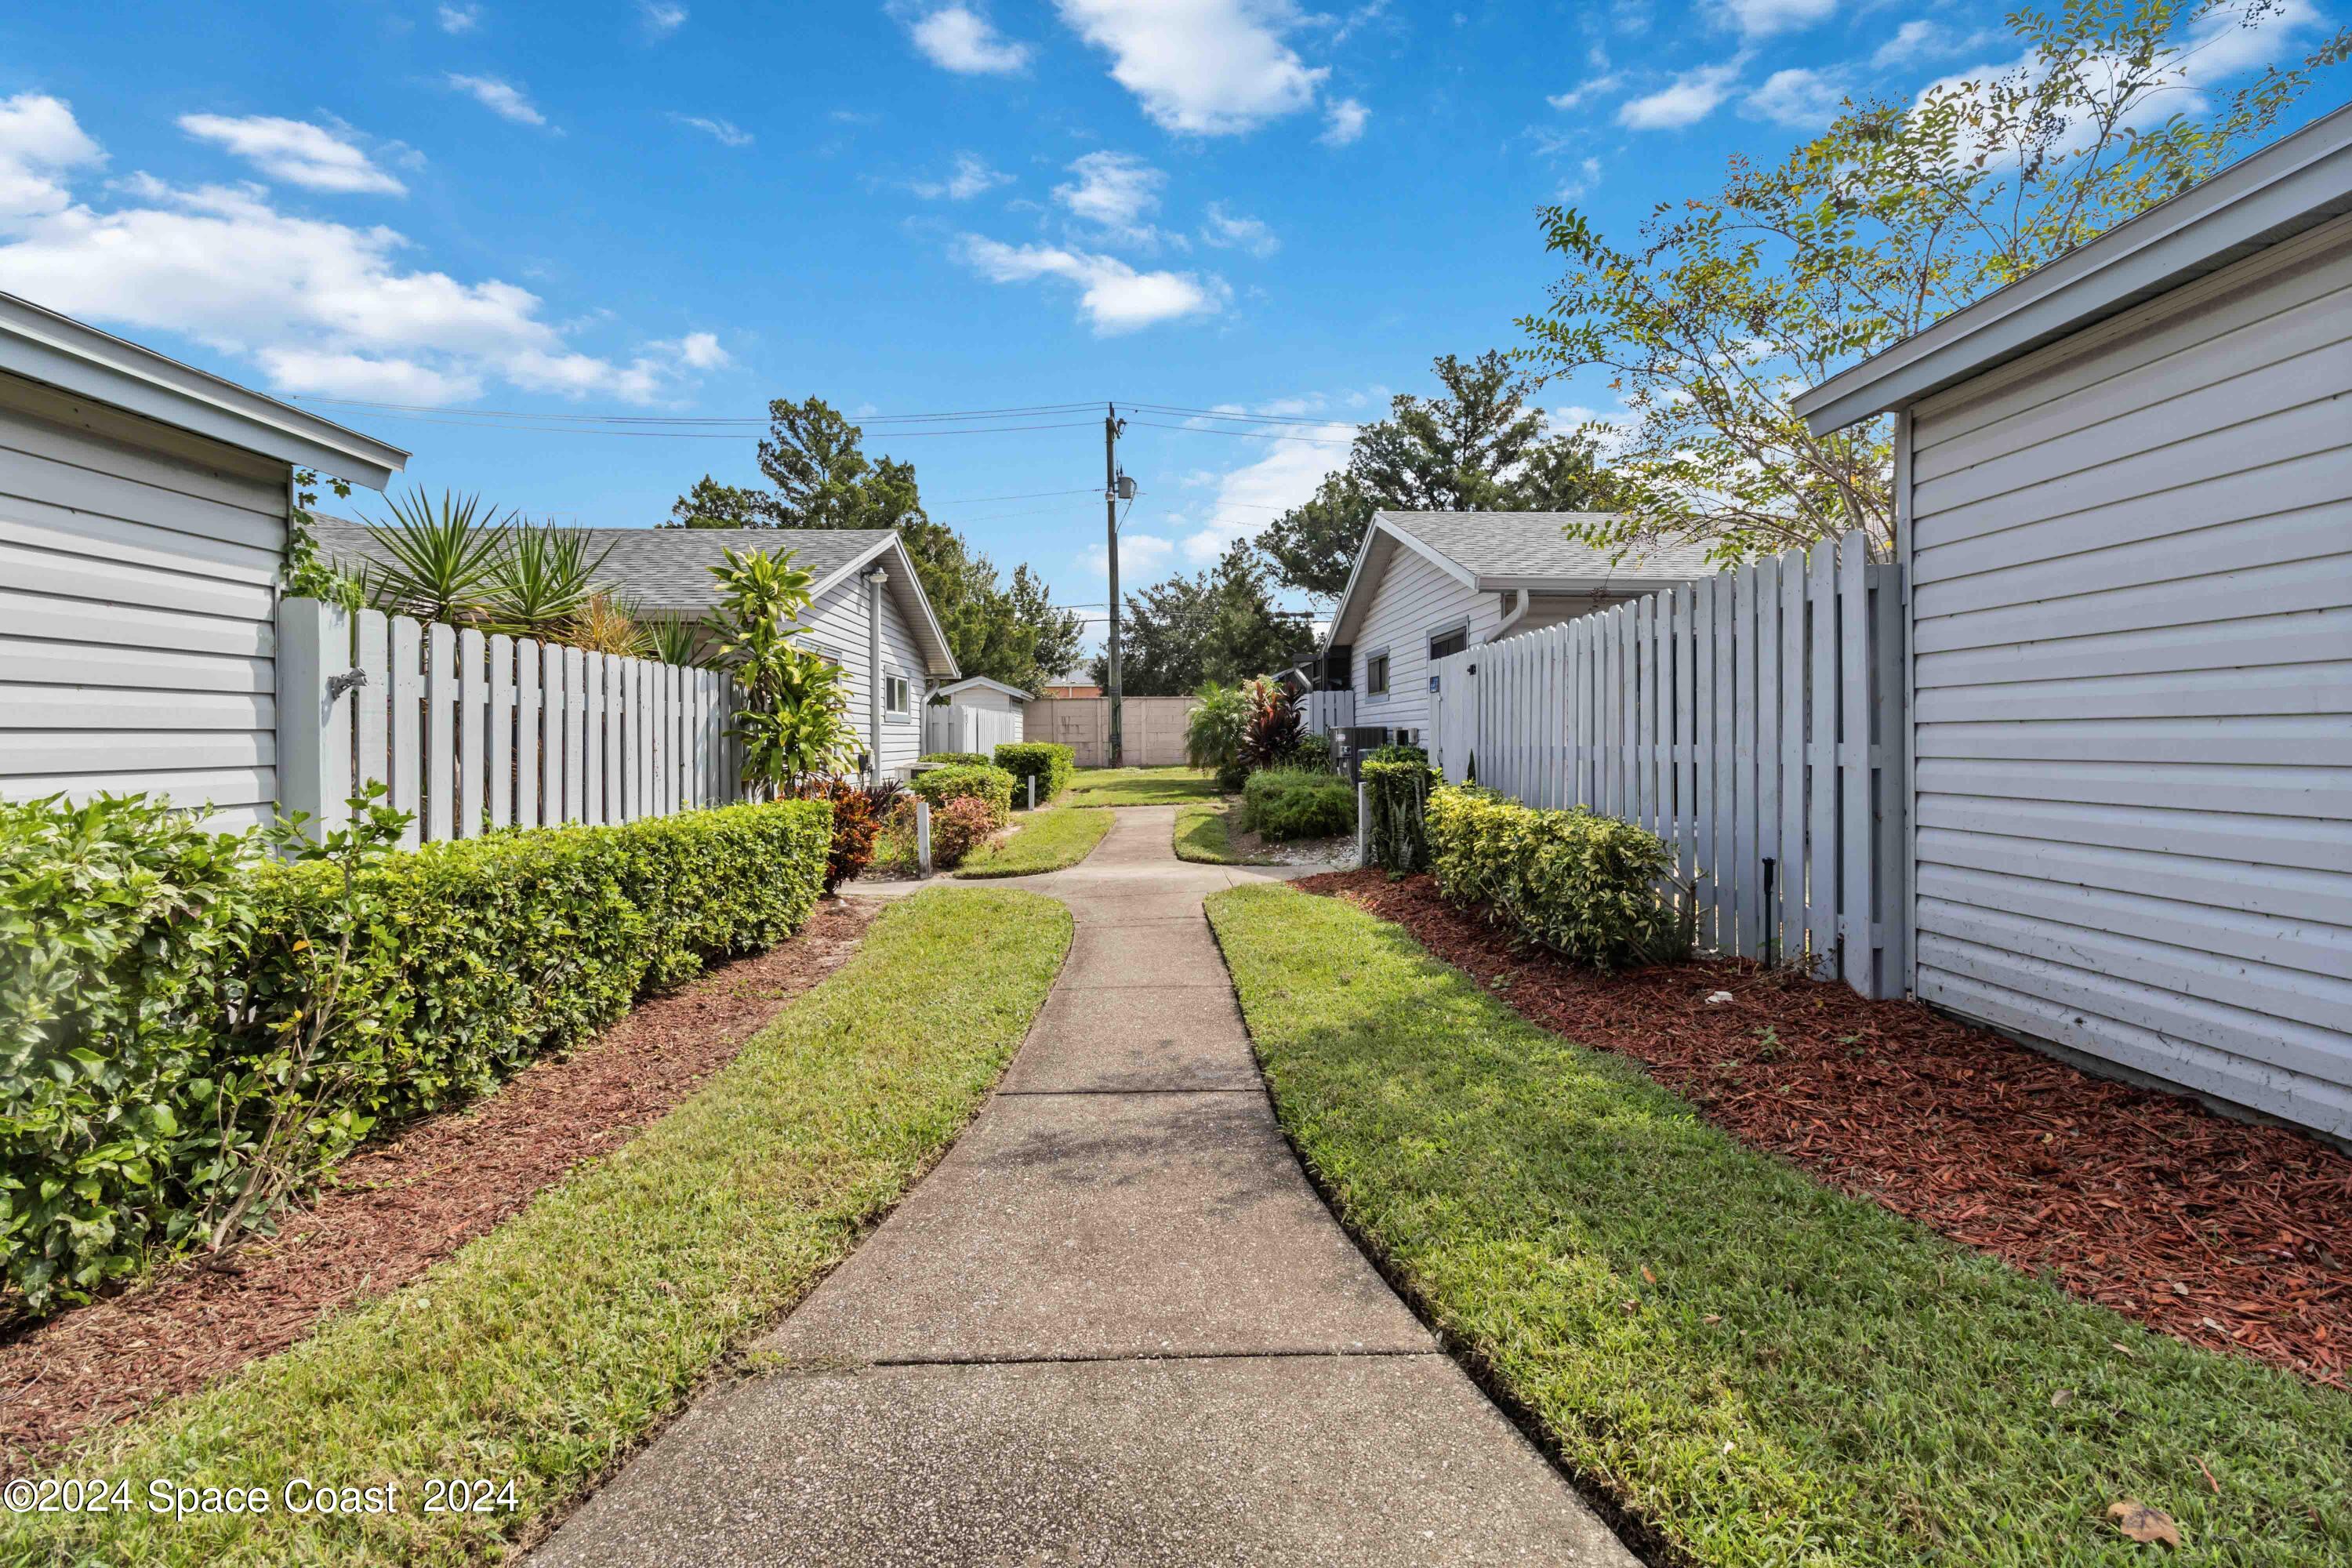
2124	510
975	714
143	516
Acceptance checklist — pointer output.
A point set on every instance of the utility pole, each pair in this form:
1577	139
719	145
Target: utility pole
1112	425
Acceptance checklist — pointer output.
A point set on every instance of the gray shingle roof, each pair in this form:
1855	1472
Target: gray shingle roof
660	568
1530	544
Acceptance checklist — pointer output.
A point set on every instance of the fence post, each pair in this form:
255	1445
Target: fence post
314	724
923	836
1033	792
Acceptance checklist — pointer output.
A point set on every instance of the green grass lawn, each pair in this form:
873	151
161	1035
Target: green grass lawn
1139	787
1045	840
544	1350
1204	833
1763	1371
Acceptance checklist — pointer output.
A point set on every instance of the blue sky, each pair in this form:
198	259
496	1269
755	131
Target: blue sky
682	208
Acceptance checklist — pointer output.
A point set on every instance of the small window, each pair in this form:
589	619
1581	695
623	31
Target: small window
1376	675
895	695
1445	643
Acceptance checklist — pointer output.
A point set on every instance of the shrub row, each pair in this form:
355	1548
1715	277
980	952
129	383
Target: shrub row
963	759
150	974
1585	886
992	787
1052	766
1284	804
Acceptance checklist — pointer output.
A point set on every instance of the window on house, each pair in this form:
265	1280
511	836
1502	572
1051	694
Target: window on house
895	696
1376	675
1445	643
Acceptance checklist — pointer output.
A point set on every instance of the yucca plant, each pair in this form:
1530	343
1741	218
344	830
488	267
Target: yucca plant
669	640
605	624
543	584
442	560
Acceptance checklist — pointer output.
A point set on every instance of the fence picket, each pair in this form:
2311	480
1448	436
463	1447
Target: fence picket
473	692
1791	761
592	739
1768	941
407	715
497	760
440	754
552	724
1823	884
372	702
1856	853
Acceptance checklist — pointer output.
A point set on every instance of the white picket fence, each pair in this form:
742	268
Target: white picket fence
471	732
957	728
1753	717
1322	712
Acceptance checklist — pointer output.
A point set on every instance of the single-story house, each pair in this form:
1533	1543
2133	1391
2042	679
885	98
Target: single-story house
975	714
1427	584
144	517
868	612
2124	510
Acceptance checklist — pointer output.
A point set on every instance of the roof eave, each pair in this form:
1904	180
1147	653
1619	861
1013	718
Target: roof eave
1615	584
2293	185
56	350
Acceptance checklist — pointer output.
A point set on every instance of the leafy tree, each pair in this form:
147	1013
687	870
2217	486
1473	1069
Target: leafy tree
792	716
1058	632
1478	447
1896	216
711	504
1246	634
1219	627
1161	633
812	457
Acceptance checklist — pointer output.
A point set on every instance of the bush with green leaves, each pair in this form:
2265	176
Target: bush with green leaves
992	787
958	759
1589	887
1314	751
1396	800
162	992
1051	766
959	827
1284	804
1212	732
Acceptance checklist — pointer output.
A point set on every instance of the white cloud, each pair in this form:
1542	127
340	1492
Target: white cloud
1142	558
501	98
1255	494
1115	192
1228	231
1343	122
1763	18
959	39
1212	67
661	17
1688	98
459	18
1591	88
1115	297
726	132
40	145
294	150
1807	99
319	307
972	177
1577	185
1911	40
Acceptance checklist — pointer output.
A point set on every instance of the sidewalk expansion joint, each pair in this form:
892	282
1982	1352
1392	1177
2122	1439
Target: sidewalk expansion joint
1048	1093
1092	1357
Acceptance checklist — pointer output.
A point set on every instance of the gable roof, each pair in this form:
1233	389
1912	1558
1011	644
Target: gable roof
667	571
970	681
2293	185
56	350
1506	552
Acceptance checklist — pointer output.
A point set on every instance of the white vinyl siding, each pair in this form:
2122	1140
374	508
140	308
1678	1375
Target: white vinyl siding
138	597
2131	567
1413	599
837	624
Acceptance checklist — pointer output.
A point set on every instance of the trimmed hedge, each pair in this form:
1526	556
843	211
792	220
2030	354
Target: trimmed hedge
1585	886
961	759
146	969
1053	767
1283	804
991	786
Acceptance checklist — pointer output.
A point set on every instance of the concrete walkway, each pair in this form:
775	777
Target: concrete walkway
1115	1326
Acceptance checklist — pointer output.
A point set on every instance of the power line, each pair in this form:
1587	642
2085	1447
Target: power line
709	435
1244	435
466	412
1232	417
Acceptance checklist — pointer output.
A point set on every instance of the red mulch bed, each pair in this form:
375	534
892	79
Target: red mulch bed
397	1207
2233	1237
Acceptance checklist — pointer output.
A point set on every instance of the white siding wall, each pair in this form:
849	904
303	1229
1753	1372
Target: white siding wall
2132	598
1412	600
836	623
137	572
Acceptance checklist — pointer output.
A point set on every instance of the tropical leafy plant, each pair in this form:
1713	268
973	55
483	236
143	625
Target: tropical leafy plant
443	558
792	716
1212	731
543	584
1271	729
607	624
669	639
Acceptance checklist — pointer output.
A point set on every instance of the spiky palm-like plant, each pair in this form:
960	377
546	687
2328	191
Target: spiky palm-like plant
543	584
441	560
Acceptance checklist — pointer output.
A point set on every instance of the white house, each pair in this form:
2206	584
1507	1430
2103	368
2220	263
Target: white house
1427	584
975	714
2124	504
868	612
143	515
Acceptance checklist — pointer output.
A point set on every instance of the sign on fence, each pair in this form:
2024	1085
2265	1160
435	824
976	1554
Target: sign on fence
1753	721
470	732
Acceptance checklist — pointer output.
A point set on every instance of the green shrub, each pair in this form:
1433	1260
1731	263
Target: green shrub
1395	754
859	811
1284	804
1051	766
958	829
1314	751
1396	802
149	973
959	758
992	787
1585	886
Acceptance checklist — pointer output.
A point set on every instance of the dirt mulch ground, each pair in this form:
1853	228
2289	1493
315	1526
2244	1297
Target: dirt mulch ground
398	1207
2233	1237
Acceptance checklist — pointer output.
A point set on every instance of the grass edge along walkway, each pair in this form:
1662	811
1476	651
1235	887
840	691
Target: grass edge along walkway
1050	838
1760	1370
1138	786
546	1351
1204	835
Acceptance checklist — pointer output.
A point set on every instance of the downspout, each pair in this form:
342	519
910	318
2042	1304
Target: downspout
874	582
1514	616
